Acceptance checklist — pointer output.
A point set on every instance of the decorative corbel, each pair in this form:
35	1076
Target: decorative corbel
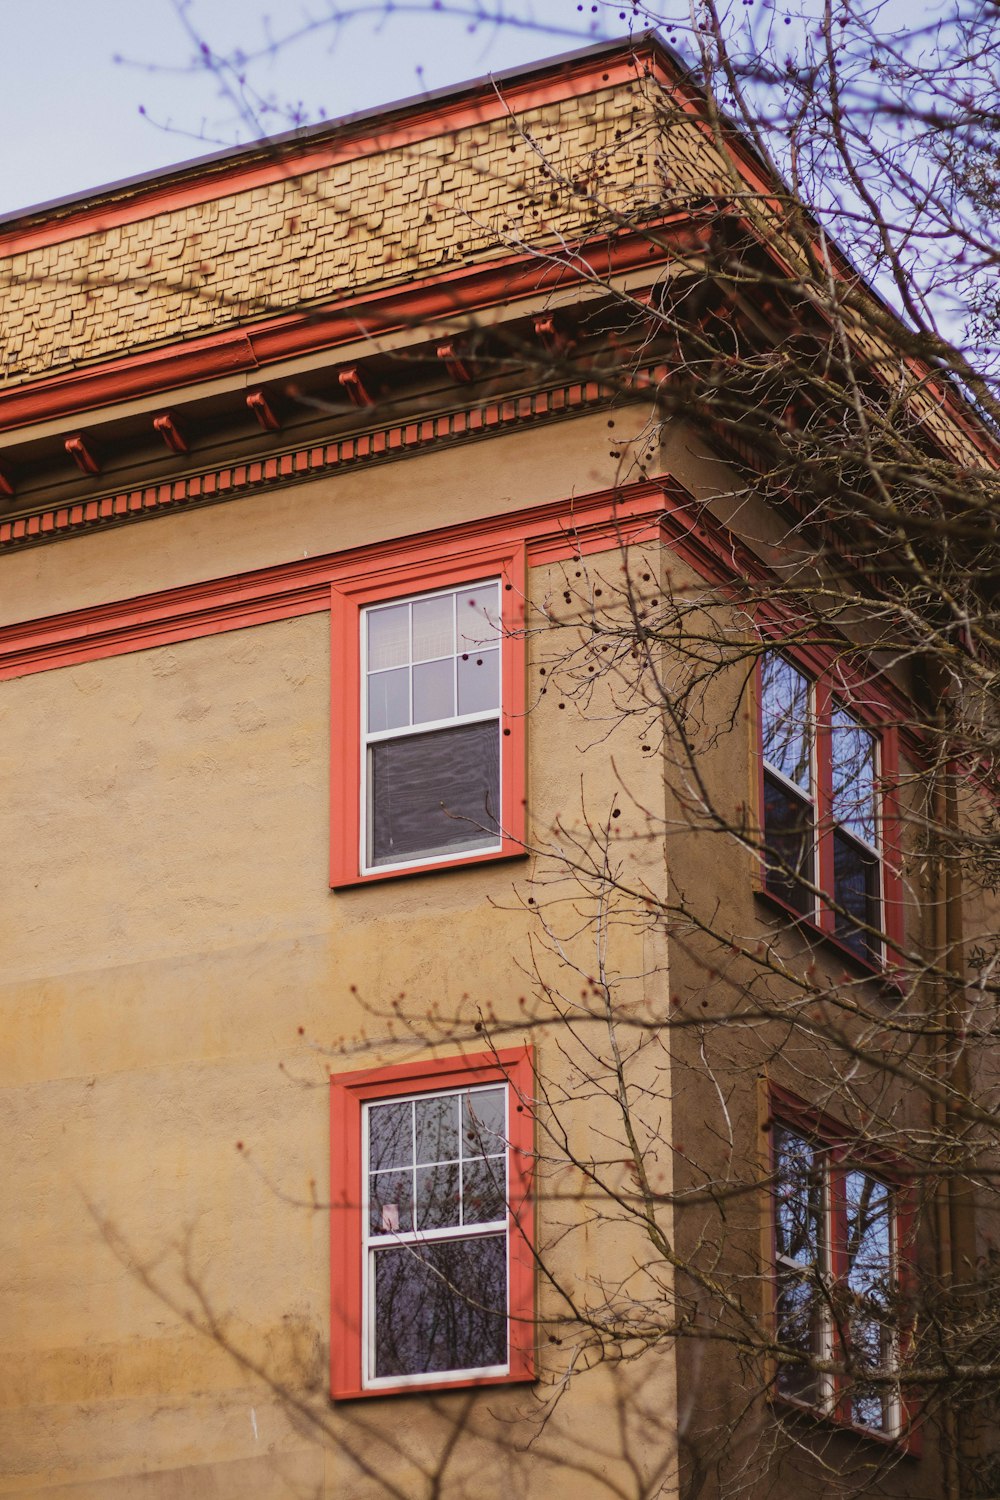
170	432
353	385
263	410
458	368
82	454
555	339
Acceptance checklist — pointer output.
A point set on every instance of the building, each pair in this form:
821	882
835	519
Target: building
339	475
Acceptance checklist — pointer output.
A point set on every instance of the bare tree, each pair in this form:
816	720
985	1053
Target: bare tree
766	966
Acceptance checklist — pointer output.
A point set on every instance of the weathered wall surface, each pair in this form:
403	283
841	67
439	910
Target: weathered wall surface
167	928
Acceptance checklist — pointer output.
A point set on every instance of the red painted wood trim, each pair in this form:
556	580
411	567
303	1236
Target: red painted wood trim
560	529
787	1109
348	1093
302	463
259	166
461	291
395	578
297	464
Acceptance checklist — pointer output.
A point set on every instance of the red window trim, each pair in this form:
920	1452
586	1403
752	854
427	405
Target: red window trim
427	569
348	1093
786	1110
835	684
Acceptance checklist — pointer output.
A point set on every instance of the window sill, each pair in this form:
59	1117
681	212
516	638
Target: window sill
431	1387
817	936
906	1443
406	872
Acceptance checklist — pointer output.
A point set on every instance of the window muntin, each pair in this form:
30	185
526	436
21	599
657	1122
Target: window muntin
836	1251
431	739
436	1237
820	779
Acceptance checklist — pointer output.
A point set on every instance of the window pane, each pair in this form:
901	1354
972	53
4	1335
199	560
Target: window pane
433	627
438	1196
441	1307
390	1135
785	720
432	793
871	1279
788	841
437	1127
484	1190
434	690
483	1122
869	1238
389	699
478	681
798	1199
855	887
477	616
800	1236
388	637
800	1324
390	1202
871	1346
852	753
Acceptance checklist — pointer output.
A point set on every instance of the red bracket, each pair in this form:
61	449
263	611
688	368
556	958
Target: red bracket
82	454
458	368
555	339
351	381
6	484
166	426
263	411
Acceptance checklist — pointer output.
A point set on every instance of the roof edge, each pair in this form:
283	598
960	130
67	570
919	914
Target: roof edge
288	144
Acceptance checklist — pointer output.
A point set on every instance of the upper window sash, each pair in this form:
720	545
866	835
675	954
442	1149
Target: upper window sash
822	807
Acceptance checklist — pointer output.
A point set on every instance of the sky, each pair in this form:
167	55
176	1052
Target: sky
97	90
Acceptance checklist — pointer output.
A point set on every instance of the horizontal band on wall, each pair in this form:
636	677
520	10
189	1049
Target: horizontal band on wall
304	463
556	531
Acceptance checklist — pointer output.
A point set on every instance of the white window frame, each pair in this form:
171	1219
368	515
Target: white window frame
371	1244
409	731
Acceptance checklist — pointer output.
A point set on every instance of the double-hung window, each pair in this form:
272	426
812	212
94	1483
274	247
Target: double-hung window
838	1242
431	711
431	1223
428	717
821	807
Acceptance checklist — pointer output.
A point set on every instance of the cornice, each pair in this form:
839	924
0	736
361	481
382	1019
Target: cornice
380	444
438	300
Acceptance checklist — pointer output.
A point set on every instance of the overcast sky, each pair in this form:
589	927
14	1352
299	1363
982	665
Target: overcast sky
96	90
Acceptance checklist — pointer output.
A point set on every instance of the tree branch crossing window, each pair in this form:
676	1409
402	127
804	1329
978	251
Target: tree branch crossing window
821	807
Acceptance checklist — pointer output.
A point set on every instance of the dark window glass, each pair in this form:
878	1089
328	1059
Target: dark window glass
855	888
788	840
433	793
441	1306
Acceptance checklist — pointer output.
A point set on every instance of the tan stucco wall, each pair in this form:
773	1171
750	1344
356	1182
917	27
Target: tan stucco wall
166	929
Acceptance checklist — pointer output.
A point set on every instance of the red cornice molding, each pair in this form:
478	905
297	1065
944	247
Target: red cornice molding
260	166
458	292
562	529
384	443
